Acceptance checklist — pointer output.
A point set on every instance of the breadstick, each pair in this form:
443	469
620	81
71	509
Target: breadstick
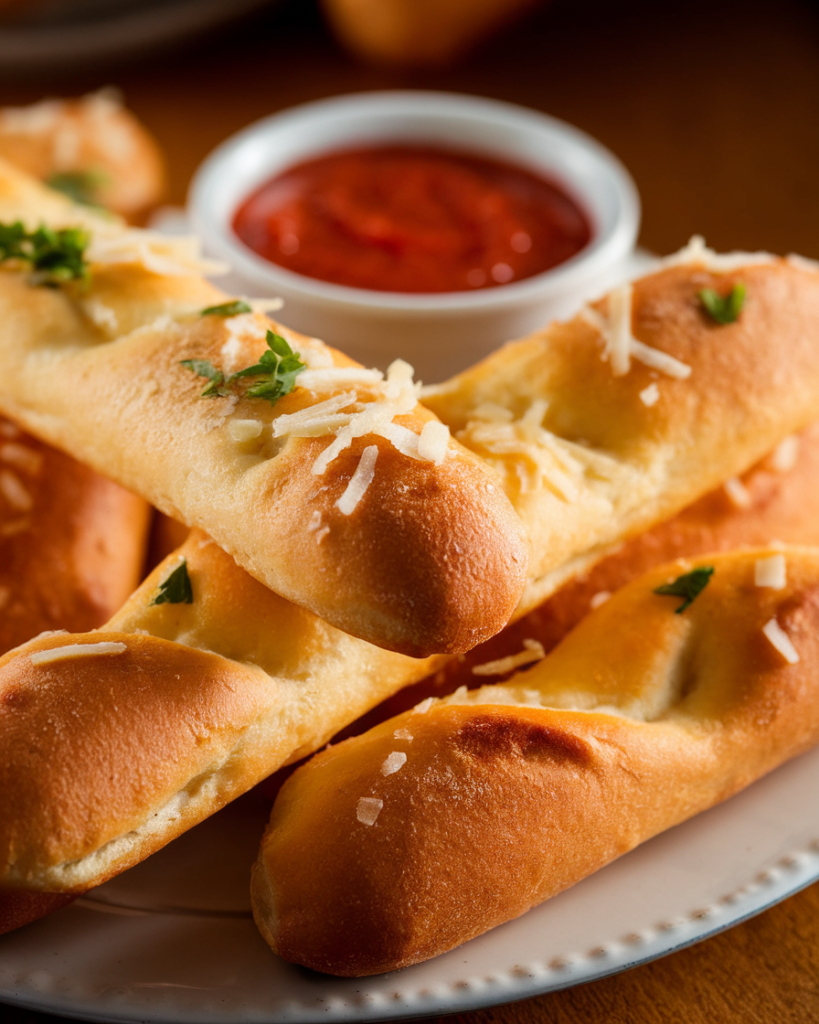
398	845
430	558
345	496
618	419
92	148
775	501
72	544
116	741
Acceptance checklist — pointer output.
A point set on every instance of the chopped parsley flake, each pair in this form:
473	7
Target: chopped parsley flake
176	588
233	308
276	372
82	187
55	256
724	309
689	586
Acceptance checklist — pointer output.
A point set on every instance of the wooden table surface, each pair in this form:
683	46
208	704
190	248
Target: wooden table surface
714	107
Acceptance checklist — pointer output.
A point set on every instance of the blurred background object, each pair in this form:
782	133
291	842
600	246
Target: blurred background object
41	34
92	149
418	32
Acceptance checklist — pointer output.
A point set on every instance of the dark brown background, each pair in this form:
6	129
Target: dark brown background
714	107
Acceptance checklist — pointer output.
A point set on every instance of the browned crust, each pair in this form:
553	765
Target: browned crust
439	560
91	747
109	756
782	507
71	560
498	808
21	908
752	382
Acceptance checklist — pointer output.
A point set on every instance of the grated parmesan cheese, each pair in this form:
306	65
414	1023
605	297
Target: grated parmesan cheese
403	734
263	305
329	377
76	651
619	338
650	396
21	457
781	641
394	761
783	458
770	572
424	706
359	481
12	489
657	360
100	315
802	262
696	251
433	442
349	415
599	598
368	809
738	493
553	460
244	430
532	651
620	346
172	255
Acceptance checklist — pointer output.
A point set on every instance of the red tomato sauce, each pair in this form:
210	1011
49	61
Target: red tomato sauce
407	218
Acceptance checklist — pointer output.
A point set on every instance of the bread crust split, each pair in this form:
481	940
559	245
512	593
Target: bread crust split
431	559
519	790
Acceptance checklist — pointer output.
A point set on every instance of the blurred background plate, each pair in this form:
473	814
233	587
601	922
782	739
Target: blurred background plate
43	33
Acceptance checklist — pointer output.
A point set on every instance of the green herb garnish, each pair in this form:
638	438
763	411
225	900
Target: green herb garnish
277	371
55	256
205	368
82	187
688	586
176	589
228	309
724	309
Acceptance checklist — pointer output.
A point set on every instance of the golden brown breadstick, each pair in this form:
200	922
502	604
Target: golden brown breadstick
72	544
72	547
345	495
114	742
92	148
444	822
776	500
619	418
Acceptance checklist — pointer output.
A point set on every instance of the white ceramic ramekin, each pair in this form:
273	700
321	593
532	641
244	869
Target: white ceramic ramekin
442	333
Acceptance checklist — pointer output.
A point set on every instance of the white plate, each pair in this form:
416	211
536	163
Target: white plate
172	940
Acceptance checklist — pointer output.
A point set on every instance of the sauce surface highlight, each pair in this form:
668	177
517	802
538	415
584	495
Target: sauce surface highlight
412	219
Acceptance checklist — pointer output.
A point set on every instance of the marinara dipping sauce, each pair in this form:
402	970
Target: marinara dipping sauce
405	218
